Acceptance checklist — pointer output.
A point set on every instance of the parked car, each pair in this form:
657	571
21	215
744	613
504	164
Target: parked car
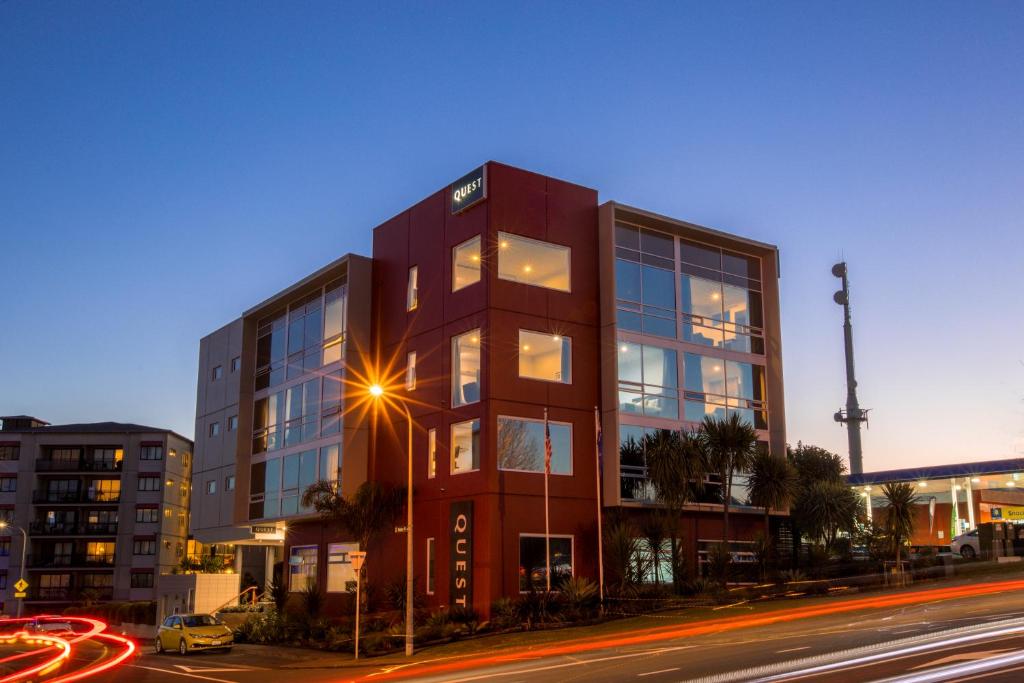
186	633
966	545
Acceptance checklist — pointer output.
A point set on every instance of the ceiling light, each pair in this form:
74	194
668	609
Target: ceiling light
623	348
527	268
475	257
715	296
526	347
556	338
976	480
504	244
1011	483
922	484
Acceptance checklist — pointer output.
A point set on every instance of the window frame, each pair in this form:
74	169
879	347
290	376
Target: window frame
550	335
412	289
479	262
503	236
572	554
476	454
541	422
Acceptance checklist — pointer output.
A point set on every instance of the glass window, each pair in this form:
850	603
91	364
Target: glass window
147	515
412	296
149	483
152	453
466	368
229	482
272	487
648	380
521	259
10	452
236	363
139	548
430	566
142	579
233	423
334	322
307	475
466	446
341	577
331	405
466	264
8	484
214	428
521	445
218	372
533	561
302	567
410	371
545	356
719	387
431	453
330	463
211	486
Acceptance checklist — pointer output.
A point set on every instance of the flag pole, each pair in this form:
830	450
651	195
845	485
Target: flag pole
597	484
547	528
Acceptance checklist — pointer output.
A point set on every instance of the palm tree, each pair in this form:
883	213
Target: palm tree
372	509
899	520
772	484
730	445
826	508
676	466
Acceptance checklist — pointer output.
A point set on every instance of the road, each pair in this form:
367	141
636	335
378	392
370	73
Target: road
946	638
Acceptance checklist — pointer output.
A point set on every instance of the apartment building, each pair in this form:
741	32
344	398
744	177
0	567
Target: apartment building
502	307
103	506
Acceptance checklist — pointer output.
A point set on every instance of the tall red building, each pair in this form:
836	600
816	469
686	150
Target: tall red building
500	299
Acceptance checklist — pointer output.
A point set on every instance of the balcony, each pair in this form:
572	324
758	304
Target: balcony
83	465
72	560
75	497
44	529
69	594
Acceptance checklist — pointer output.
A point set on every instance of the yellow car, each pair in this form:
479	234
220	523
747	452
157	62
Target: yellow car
186	633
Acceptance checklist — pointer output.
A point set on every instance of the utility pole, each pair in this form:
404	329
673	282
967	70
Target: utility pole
853	415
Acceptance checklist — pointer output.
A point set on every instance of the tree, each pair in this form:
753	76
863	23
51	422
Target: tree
730	445
824	504
676	466
899	518
372	509
772	484
620	551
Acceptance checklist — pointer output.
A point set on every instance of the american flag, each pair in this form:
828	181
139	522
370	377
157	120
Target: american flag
547	445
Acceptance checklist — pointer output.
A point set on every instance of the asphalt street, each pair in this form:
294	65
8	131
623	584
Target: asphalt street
870	645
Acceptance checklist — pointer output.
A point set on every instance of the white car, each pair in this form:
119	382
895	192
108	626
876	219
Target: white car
966	545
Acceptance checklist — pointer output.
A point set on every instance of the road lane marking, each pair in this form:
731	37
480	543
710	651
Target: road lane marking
180	673
215	669
536	669
962	657
662	671
793	649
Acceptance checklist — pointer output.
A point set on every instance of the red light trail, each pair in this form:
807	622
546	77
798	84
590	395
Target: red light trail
660	633
62	647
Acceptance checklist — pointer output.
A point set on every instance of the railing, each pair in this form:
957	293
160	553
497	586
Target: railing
253	597
66	497
78	465
70	594
70	560
44	529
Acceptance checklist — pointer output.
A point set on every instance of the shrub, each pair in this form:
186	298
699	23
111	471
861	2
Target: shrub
504	614
580	597
467	617
312	600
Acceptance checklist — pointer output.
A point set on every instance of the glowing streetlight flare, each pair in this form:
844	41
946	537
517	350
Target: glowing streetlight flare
376	390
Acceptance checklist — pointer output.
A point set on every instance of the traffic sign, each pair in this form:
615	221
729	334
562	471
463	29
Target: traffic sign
20	586
357	558
20	595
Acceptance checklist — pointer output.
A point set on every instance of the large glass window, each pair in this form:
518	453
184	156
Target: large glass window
521	445
271	337
714	386
532	262
545	356
334	322
412	291
305	335
330	405
466	264
533	562
645	281
302	567
330	463
466	368
466	446
648	382
341	577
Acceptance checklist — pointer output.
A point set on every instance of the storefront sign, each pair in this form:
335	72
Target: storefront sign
267	533
460	529
1008	514
469	189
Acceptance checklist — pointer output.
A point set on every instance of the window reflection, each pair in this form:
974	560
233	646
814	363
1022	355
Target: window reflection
545	356
466	368
466	264
521	259
647	380
465	446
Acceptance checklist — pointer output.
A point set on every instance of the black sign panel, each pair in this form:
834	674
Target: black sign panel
460	535
469	189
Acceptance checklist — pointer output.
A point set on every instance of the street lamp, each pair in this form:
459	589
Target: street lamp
377	391
24	547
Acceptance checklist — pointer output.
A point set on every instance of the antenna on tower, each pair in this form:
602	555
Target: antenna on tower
853	416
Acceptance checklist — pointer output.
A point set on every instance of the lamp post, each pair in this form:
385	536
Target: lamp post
24	547
358	557
377	391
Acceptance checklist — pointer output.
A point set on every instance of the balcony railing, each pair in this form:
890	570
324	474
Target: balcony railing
78	465
49	560
71	593
66	497
44	529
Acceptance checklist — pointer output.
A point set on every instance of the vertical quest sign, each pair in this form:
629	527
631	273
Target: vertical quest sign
460	530
469	189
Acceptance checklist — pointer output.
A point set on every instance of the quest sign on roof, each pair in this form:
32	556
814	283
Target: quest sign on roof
469	189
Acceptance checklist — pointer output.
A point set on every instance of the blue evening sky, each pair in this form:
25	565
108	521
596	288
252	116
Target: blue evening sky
165	165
